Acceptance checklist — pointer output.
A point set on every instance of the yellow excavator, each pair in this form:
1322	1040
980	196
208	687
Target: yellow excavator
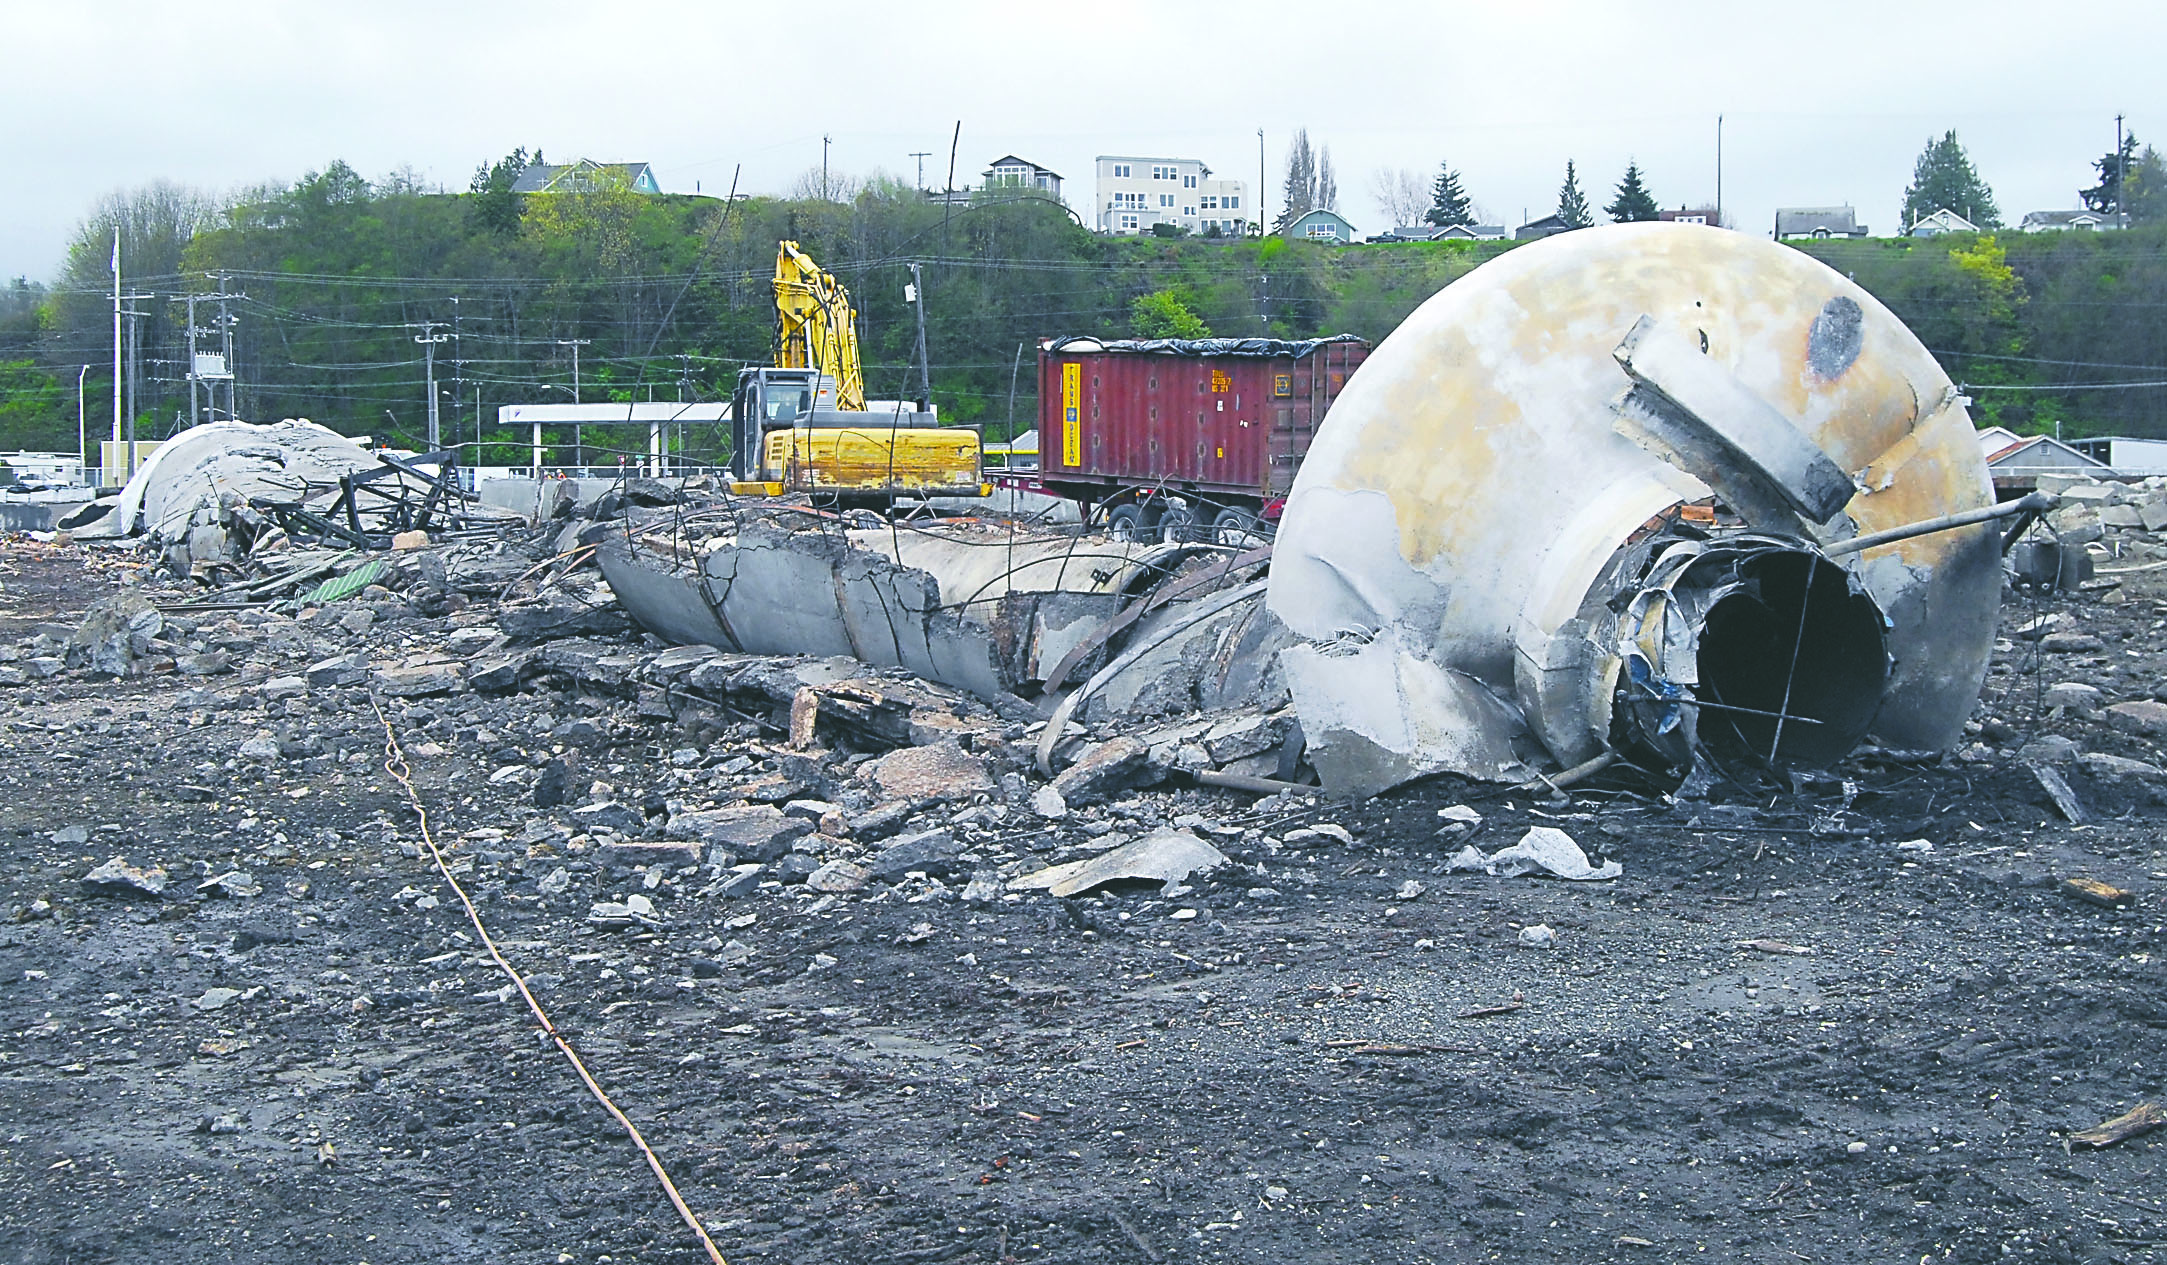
804	425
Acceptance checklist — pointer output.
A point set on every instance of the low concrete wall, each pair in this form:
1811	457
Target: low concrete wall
535	497
37	511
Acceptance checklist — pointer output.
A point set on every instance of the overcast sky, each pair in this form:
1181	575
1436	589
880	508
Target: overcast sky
1823	104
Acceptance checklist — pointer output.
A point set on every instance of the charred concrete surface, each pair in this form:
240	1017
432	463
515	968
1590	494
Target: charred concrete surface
1864	1015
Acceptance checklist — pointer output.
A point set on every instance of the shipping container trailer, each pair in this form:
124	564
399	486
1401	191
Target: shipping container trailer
1184	438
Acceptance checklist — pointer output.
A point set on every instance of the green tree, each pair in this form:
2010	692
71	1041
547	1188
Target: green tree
1572	203
1634	203
1298	193
1163	314
1449	203
495	208
1310	184
37	409
2147	198
2148	188
1944	180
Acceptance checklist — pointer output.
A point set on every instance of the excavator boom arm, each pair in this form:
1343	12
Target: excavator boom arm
815	327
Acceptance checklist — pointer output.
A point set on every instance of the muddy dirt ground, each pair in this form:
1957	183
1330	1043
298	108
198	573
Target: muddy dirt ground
1280	1065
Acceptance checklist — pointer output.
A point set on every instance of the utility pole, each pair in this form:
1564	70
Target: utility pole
135	370
663	430
824	139
1260	182
458	370
575	344
203	372
194	370
429	338
2121	179
914	294
226	322
1015	371
117	403
921	155
579	453
82	436
1719	171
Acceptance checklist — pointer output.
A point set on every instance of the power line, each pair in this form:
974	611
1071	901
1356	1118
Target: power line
1968	387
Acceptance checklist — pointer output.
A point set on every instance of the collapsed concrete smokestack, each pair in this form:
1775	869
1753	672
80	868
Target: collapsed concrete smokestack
1499	548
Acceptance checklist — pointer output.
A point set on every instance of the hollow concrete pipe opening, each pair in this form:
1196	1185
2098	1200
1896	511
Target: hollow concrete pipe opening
1759	657
1797	660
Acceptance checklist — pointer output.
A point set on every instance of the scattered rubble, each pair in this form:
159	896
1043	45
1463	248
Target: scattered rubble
118	878
680	830
1542	850
1167	857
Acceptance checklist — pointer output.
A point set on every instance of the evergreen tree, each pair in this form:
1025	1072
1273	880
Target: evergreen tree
2147	183
1944	180
2147	188
1572	203
496	208
1448	201
1299	196
1634	203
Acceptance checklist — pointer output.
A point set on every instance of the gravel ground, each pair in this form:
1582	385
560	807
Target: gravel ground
1330	1051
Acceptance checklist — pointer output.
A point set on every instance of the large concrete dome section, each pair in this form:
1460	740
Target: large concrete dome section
1472	480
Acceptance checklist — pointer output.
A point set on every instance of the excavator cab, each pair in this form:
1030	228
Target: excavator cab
768	400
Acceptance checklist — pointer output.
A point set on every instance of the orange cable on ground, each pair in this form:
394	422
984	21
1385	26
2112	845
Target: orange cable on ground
395	765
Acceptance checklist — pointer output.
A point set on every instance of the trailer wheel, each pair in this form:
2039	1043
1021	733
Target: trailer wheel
1125	522
1178	525
1238	529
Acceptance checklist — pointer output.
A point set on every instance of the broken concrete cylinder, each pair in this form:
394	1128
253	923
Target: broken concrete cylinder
981	609
1468	514
114	634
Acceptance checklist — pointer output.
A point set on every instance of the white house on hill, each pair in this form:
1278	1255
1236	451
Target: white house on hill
1136	193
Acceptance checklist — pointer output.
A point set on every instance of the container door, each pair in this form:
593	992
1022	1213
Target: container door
1063	448
1279	413
1236	441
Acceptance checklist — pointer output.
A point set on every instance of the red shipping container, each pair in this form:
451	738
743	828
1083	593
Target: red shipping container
1216	423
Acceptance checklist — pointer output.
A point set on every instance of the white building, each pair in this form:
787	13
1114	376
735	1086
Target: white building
2067	221
2145	457
1136	193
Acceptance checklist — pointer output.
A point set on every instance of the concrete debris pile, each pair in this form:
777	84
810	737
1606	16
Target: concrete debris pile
2096	527
788	760
214	492
779	770
1166	645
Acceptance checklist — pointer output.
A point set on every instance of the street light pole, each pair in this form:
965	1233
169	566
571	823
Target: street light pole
82	436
